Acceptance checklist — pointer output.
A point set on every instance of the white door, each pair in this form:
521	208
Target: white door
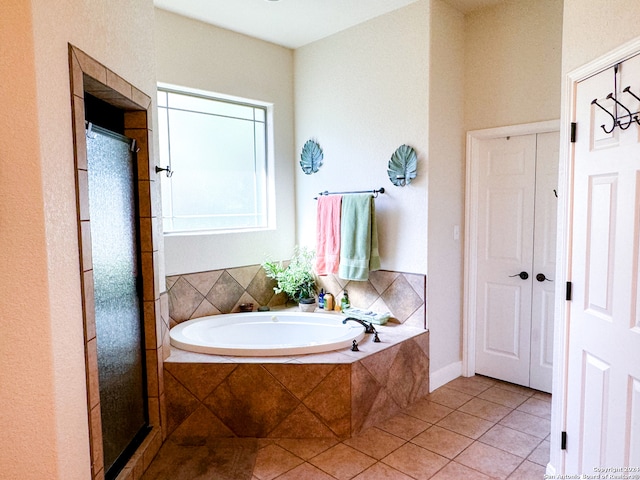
544	261
603	399
515	248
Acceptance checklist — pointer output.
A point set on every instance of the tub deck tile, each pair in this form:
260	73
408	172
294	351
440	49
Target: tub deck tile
331	395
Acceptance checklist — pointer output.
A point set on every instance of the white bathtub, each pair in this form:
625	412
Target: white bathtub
265	334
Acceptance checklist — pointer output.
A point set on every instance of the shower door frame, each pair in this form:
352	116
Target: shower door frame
90	76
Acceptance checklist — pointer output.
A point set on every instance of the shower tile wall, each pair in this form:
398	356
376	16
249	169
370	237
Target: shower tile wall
222	291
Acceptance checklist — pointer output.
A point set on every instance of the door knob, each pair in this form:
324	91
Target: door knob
522	275
541	278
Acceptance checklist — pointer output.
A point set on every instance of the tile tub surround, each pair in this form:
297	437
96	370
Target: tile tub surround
200	294
325	395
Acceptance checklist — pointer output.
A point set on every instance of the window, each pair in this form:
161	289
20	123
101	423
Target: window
217	150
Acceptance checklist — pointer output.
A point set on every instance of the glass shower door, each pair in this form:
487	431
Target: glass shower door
114	248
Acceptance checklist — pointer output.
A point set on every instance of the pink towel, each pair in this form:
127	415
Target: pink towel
328	234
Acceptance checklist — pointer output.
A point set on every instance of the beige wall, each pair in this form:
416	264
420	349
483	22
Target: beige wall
43	393
361	94
512	63
446	186
193	54
594	27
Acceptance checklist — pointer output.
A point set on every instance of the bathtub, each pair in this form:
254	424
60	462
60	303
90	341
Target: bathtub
266	334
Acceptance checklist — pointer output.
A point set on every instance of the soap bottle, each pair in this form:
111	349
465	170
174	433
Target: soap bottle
344	301
321	299
328	301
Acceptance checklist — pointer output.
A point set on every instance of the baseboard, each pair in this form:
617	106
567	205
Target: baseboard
444	375
551	471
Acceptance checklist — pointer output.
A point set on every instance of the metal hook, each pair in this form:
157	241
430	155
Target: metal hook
628	90
595	102
168	170
611	96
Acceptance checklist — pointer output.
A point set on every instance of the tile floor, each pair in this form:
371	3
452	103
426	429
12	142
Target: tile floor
471	428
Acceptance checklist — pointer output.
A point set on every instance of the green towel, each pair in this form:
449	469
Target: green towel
358	238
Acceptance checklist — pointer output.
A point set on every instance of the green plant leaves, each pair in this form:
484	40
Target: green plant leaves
296	279
311	157
402	166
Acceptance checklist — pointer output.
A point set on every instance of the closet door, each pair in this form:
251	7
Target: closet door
506	193
514	303
544	261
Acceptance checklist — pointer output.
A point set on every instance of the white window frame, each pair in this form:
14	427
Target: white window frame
268	197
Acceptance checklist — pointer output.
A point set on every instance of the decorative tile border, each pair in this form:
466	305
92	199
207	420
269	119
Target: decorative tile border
200	294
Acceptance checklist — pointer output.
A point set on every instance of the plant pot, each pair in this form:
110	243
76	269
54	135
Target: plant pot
307	304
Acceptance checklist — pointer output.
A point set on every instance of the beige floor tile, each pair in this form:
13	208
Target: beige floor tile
465	424
449	397
485	409
541	454
526	423
509	440
504	397
443	442
488	380
305	471
273	461
428	411
527	392
381	471
456	471
489	460
543	396
415	461
404	426
470	385
528	471
306	448
375	442
539	408
342	461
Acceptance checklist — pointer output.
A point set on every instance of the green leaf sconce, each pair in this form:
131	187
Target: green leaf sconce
402	166
311	157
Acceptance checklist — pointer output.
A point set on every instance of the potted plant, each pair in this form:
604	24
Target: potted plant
296	279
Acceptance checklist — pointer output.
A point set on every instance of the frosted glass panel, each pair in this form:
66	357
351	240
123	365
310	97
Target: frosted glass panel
115	270
218	153
196	104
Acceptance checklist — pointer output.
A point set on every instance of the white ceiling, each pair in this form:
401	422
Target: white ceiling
293	23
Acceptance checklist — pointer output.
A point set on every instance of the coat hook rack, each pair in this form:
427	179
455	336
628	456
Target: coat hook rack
625	120
628	90
611	96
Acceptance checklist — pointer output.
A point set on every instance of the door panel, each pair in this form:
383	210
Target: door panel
601	219
604	341
595	406
502	333
505	245
633	423
544	261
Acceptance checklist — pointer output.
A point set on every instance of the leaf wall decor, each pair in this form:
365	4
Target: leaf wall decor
402	166
311	157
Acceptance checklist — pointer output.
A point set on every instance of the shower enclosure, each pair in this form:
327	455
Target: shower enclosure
119	331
